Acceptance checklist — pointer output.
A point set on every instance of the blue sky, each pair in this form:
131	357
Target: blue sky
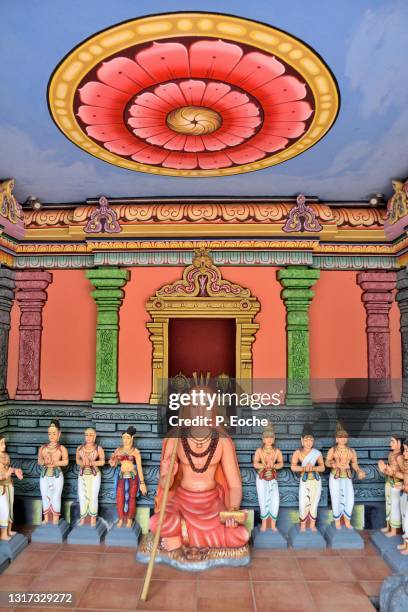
364	43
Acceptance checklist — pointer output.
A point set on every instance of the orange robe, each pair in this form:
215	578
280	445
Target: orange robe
194	516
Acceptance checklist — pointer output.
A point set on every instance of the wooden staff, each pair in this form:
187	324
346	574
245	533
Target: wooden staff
149	571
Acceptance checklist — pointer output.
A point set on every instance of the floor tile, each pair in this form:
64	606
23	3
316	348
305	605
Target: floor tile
224	596
369	551
73	564
265	552
225	573
368	568
317	554
114	594
30	562
166	572
61	584
169	596
326	568
371	587
119	565
339	596
281	596
10	582
278	568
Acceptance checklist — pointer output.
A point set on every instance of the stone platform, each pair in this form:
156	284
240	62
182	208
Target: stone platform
50	533
397	562
343	538
273	540
384	544
14	546
302	540
4	563
123	536
88	535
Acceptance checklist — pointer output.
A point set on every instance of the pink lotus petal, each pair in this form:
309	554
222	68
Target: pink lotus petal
193	91
288	129
95	115
124	74
150	100
214	92
289	111
229	139
176	143
181	161
245	154
98	94
241	121
107	132
160	139
142	111
125	146
148	132
141	122
242	131
212	161
254	70
213	59
150	155
230	100
212	143
171	94
165	61
245	110
194	143
267	142
283	89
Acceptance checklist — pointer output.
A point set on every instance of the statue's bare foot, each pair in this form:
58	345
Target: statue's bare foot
11	533
195	554
5	538
389	534
302	526
81	522
384	529
347	524
313	528
263	526
129	523
405	551
93	521
171	543
274	528
119	523
55	520
338	524
400	546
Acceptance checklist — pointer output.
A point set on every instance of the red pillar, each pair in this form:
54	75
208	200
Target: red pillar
31	296
377	297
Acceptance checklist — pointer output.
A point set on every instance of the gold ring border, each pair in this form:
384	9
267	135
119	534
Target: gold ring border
78	63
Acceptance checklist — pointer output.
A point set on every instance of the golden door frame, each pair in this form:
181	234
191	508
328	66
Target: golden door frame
202	292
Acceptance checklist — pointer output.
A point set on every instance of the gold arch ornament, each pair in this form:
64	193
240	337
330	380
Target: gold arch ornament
293	52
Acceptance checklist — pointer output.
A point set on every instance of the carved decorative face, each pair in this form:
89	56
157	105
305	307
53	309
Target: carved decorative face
406	451
269	440
53	433
2	445
342	440
127	440
308	442
90	436
395	444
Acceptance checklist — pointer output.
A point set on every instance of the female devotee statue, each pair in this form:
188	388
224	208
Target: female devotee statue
393	487
267	460
342	459
401	472
6	492
308	462
52	457
202	522
89	457
128	477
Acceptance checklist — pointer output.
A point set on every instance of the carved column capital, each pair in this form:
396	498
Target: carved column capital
31	295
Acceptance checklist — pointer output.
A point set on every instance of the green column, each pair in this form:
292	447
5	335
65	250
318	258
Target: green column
108	296
297	295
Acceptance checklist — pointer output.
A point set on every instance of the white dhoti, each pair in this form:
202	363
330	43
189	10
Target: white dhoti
310	491
404	514
392	504
88	492
268	497
342	496
6	504
51	491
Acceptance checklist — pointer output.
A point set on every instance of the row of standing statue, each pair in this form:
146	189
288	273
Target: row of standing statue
199	480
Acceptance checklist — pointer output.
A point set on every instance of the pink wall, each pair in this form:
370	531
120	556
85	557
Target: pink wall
337	331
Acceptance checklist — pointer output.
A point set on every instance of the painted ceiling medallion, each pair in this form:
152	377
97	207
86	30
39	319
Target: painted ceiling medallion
193	94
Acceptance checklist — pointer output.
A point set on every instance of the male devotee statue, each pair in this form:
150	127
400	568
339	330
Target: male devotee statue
6	492
90	457
308	462
52	457
267	460
393	487
342	459
128	478
201	520
402	473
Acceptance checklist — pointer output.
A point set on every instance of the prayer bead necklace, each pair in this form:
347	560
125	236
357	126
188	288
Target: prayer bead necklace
210	450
